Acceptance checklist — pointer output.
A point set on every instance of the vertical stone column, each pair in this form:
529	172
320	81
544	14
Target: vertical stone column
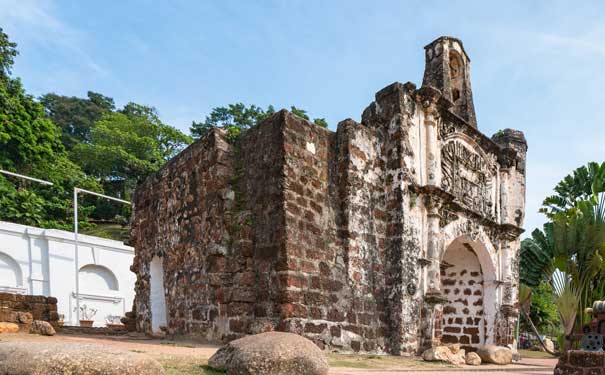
429	97
433	157
506	272
433	250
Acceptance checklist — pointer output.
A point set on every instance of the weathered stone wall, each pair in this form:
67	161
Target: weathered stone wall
13	306
580	362
342	236
180	217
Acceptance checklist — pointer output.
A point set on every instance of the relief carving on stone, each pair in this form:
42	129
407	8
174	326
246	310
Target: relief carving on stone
468	176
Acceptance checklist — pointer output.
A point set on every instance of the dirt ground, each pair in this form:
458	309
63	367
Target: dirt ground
189	358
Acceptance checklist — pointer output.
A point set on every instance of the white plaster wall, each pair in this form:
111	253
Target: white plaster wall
157	294
46	261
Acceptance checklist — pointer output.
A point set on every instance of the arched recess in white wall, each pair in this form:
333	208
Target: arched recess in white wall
11	275
98	279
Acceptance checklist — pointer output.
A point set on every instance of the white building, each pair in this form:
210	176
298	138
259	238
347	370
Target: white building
41	262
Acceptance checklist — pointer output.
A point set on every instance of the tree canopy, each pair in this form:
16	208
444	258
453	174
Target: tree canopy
8	52
76	116
128	145
238	117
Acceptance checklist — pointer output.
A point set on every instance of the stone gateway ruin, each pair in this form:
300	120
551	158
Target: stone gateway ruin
389	235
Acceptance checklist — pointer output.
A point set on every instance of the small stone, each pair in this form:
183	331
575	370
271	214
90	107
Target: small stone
473	359
8	327
41	327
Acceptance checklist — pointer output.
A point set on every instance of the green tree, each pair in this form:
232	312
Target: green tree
537	253
544	309
581	184
76	116
238	117
8	52
570	253
127	146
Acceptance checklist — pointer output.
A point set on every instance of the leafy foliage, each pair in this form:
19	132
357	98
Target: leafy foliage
570	252
8	52
76	116
238	117
579	235
128	145
580	185
544	311
537	255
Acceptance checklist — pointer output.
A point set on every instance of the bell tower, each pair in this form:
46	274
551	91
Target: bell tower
447	69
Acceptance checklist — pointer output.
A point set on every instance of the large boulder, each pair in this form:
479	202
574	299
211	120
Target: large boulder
270	353
41	327
453	355
473	359
499	355
55	358
8	327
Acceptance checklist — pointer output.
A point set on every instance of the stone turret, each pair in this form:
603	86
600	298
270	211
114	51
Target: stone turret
511	139
448	70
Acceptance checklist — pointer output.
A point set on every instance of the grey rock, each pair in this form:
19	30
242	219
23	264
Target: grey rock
270	353
41	327
473	359
54	358
453	354
499	355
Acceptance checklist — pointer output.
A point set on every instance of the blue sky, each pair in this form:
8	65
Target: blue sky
537	66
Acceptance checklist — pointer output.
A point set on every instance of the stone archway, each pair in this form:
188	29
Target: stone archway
467	276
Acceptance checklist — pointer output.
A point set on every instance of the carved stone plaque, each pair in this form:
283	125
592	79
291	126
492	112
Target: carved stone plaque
467	176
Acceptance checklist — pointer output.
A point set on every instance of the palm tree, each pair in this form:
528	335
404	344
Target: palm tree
570	251
579	250
581	184
537	255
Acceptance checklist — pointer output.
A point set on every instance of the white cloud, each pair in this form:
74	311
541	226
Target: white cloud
36	22
589	44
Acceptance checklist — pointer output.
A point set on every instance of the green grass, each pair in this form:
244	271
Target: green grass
534	354
110	231
380	361
177	344
177	365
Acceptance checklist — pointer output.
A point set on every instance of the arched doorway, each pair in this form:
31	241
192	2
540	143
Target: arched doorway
463	278
157	298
